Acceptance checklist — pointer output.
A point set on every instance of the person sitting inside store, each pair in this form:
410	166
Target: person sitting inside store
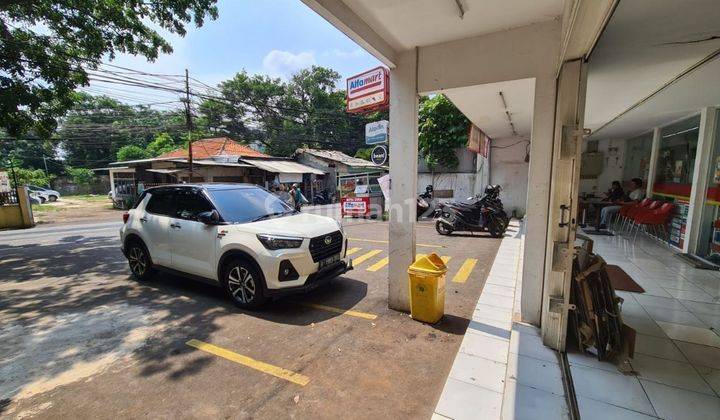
615	193
635	196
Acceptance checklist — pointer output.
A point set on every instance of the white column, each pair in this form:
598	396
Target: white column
652	170
706	133
403	177
541	149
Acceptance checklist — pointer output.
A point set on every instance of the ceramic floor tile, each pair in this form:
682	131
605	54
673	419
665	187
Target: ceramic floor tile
588	360
483	311
698	354
712	321
676	317
658	347
530	345
711	376
644	326
613	388
701	307
679	285
499	290
694	296
660	302
668	372
478	371
678	404
634	310
535	373
690	334
596	410
482	346
490	327
460	400
524	402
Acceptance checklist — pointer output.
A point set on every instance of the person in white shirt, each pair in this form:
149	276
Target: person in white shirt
635	196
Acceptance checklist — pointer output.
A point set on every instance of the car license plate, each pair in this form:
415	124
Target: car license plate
329	261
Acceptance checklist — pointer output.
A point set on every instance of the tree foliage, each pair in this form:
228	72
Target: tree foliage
47	47
442	129
308	110
131	152
27	176
81	176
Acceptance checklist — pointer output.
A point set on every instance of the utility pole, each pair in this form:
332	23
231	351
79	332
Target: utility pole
188	121
46	171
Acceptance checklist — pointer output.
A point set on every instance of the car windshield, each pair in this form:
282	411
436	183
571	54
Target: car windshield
242	205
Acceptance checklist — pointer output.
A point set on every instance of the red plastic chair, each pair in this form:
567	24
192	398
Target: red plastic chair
623	213
655	219
632	212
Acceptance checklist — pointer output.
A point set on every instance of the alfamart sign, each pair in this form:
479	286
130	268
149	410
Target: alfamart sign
368	91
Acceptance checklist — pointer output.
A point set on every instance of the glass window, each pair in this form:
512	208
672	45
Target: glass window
189	203
708	244
161	203
241	205
676	157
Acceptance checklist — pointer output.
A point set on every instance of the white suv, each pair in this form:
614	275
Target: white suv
238	236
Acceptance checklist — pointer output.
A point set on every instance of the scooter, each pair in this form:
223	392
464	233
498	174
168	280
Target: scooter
321	197
482	214
423	202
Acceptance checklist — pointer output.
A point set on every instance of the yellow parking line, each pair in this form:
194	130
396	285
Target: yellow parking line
385	242
378	265
349	312
361	259
279	372
464	272
352	251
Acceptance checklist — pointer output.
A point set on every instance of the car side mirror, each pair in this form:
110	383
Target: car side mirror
211	217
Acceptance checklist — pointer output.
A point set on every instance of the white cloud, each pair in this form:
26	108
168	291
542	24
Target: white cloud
284	63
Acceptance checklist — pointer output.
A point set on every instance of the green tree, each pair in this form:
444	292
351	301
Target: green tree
442	129
31	176
131	152
47	48
162	144
81	176
364	153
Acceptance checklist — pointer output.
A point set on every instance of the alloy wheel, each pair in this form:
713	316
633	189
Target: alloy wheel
241	284
137	260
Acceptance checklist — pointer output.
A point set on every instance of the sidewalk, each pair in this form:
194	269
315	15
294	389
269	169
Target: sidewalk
502	369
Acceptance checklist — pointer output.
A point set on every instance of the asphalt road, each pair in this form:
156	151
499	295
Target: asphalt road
82	339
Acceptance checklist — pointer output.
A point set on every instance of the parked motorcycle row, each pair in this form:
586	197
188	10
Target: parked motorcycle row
482	213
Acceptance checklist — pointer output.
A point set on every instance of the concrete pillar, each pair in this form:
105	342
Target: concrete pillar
703	157
541	149
403	177
654	151
25	208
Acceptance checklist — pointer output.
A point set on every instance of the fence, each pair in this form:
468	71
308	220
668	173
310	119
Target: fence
8	198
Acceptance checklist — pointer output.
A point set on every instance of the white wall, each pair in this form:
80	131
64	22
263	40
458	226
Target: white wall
509	169
613	165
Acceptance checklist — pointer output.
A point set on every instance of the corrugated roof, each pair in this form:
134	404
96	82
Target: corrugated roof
220	146
284	167
337	156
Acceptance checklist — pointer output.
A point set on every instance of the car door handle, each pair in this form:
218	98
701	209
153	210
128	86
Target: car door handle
175	225
143	219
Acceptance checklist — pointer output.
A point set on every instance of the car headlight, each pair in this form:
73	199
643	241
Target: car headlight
273	242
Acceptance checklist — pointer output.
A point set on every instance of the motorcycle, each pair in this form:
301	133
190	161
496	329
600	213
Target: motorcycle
482	213
423	202
321	197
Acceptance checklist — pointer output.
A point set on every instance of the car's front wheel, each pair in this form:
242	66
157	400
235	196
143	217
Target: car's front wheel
139	261
53	198
243	284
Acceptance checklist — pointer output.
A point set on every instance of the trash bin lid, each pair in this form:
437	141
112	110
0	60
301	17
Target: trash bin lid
431	264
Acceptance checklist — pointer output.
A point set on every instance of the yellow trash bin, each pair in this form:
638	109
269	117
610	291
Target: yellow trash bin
427	289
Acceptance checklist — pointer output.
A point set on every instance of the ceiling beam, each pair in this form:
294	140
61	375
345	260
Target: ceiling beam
583	23
349	23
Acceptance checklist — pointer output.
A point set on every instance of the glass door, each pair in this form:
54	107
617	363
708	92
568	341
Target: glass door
708	245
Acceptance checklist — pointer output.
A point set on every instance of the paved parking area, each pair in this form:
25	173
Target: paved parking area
80	338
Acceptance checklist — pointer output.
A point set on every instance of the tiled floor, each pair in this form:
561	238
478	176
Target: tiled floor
502	369
677	354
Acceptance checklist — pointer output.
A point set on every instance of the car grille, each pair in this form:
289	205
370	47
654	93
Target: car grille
319	250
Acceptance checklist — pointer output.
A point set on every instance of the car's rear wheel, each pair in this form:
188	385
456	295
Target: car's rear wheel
42	200
139	261
243	284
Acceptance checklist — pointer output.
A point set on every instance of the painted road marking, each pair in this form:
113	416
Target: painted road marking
361	259
378	265
349	312
385	242
279	372
352	251
467	267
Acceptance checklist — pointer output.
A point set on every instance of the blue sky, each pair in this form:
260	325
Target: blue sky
275	37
